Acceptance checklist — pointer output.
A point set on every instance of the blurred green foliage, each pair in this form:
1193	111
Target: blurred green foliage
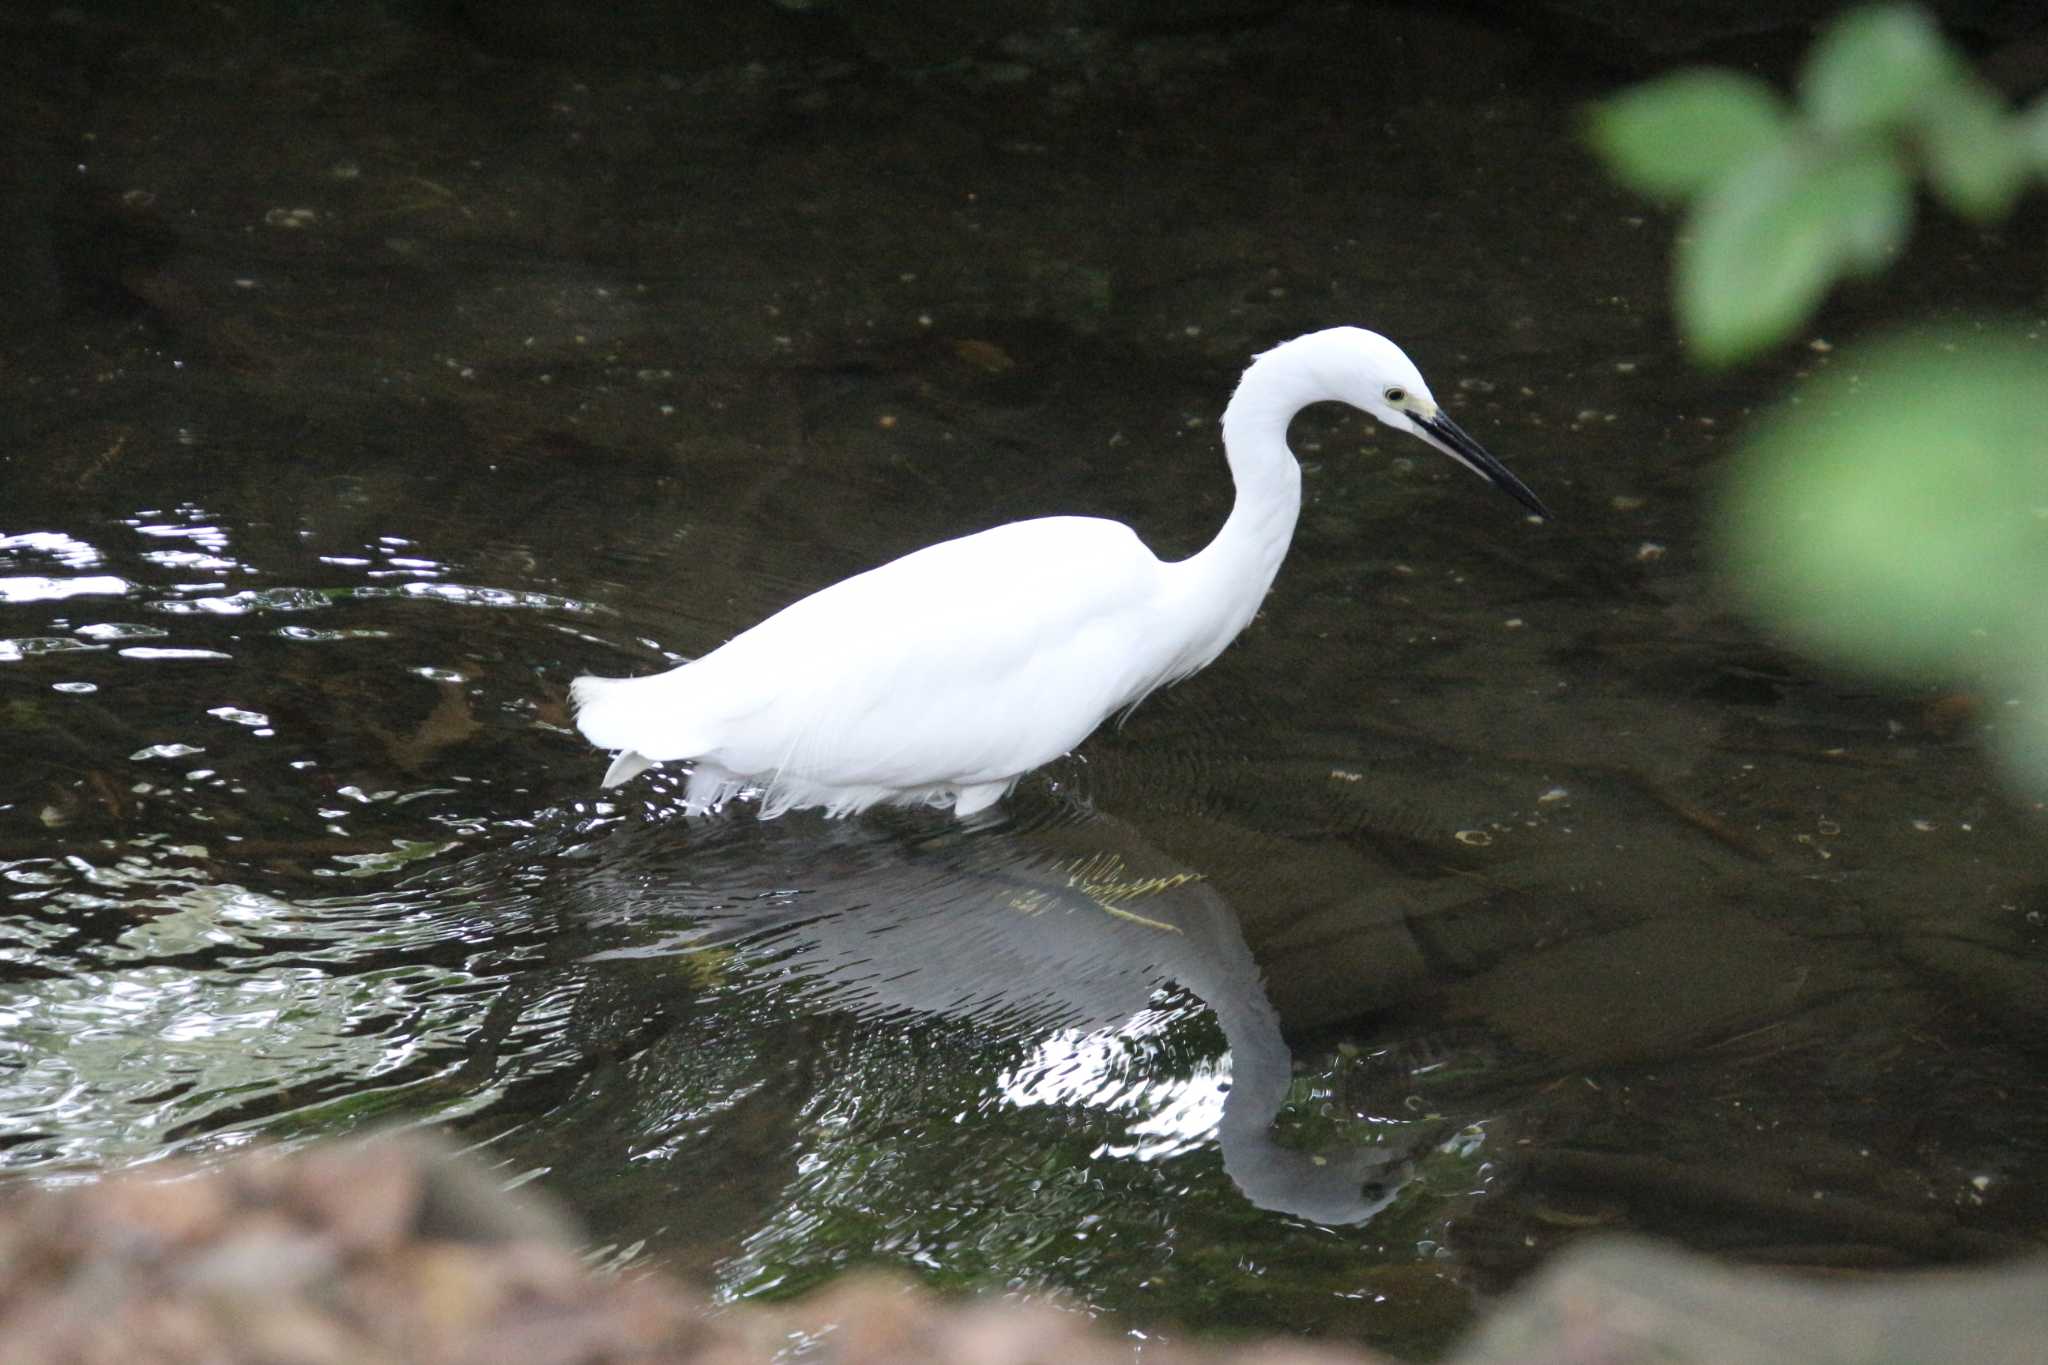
1892	516
1787	197
1881	521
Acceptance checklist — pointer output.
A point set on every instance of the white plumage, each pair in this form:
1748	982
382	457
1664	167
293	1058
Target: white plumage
942	677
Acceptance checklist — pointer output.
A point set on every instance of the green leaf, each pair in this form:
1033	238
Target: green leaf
1976	158
1766	244
1676	136
1894	517
1869	191
1874	67
2033	134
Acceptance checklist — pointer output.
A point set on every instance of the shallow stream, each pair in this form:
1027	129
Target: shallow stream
1498	886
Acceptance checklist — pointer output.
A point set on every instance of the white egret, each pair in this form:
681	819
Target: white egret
942	677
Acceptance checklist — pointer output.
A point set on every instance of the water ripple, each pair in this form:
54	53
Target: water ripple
37	588
253	600
39	646
67	550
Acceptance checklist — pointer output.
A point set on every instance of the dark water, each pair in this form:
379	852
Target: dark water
1498	887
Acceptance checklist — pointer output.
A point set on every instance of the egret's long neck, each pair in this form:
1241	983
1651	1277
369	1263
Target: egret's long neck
1229	577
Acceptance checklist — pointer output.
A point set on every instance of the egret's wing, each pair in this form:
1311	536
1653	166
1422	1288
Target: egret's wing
971	660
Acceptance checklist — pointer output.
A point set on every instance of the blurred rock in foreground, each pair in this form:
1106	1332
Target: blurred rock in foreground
1623	1301
389	1250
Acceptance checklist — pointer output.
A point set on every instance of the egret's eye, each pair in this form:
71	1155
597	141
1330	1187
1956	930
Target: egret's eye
1395	396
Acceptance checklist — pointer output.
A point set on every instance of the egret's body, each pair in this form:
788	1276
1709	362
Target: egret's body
942	677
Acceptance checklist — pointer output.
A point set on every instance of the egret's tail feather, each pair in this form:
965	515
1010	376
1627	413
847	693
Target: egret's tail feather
625	767
603	712
634	717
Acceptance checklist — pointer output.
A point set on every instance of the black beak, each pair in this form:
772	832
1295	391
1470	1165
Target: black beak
1450	438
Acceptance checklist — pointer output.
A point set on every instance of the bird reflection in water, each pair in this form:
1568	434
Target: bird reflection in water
1051	937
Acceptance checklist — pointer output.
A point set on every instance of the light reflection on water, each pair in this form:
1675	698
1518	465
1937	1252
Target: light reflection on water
56	545
35	588
173	988
391	572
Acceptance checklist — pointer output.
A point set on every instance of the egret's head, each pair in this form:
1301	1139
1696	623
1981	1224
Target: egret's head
1371	373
